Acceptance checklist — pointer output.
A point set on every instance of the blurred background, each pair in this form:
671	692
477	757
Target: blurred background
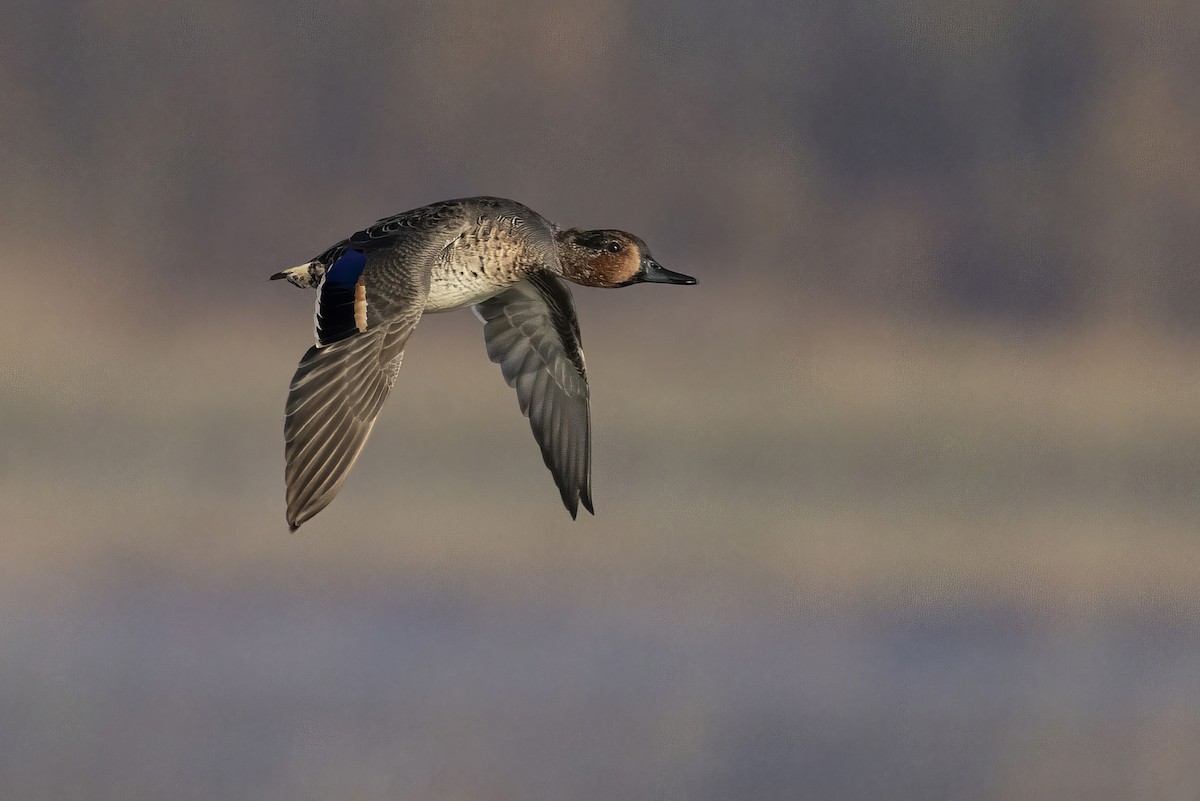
901	501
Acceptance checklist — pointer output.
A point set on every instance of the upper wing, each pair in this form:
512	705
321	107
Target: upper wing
532	333
369	305
335	396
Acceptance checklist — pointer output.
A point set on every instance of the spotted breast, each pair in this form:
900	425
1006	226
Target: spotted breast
492	255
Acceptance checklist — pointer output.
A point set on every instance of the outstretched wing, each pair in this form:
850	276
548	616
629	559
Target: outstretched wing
335	396
369	305
532	333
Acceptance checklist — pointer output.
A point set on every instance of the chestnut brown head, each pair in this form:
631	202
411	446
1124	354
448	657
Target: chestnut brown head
610	258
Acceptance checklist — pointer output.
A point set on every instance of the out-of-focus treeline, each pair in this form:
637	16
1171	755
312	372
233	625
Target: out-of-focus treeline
1032	160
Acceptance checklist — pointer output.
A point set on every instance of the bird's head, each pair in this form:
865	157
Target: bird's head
610	258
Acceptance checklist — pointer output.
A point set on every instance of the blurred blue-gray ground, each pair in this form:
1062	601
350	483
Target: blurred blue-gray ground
899	502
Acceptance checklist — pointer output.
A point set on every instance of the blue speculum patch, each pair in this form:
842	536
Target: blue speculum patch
347	268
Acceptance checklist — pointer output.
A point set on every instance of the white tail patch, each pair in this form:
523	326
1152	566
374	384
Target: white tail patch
303	276
360	304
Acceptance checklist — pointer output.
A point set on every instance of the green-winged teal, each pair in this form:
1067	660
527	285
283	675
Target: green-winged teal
498	256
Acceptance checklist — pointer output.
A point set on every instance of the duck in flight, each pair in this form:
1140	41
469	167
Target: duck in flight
497	256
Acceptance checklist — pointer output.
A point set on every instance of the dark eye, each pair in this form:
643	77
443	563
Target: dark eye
613	247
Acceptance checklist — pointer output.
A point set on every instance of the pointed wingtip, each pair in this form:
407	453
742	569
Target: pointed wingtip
293	527
583	499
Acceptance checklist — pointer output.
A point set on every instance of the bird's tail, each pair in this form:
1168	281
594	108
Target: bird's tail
306	276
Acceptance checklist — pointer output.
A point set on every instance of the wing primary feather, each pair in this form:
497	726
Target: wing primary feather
336	395
531	332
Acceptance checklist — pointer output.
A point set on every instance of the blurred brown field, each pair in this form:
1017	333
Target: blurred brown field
859	455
